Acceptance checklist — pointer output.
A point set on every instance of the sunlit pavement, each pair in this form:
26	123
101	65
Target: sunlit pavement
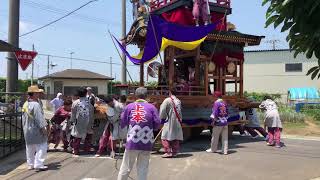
248	159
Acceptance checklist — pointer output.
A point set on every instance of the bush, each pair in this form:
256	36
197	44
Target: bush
22	85
288	115
312	111
259	96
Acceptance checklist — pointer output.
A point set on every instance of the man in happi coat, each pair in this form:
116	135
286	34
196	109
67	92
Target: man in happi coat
219	118
170	113
82	116
142	119
34	129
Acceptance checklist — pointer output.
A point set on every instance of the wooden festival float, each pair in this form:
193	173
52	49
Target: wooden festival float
217	63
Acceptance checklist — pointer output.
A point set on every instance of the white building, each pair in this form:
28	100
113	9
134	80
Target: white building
69	80
275	71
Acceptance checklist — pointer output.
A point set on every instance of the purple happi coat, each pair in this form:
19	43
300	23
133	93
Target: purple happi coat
142	119
220	113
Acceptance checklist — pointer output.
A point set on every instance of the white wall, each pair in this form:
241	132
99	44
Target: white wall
101	84
265	72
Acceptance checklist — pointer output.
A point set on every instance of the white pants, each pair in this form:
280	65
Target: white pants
129	158
218	131
36	154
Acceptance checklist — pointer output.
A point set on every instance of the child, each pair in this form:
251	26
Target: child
272	121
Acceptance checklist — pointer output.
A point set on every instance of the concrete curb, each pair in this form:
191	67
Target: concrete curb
297	137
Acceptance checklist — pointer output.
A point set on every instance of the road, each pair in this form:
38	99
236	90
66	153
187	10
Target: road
249	159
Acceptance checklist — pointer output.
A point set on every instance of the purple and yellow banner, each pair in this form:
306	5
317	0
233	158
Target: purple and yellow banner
161	34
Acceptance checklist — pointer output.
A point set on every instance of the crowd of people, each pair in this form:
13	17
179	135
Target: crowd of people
132	125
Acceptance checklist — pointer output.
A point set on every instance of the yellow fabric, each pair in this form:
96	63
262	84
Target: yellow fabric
139	56
181	45
25	109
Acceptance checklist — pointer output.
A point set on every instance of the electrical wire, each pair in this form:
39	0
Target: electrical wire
52	22
59	11
80	59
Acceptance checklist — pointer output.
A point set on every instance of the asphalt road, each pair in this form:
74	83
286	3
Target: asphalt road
248	160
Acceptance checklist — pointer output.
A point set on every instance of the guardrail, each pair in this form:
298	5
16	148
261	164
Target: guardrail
11	134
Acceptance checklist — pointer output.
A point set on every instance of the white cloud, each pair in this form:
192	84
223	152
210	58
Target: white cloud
24	27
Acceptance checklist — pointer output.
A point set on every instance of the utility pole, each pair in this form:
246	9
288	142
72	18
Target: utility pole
13	38
273	42
71	59
111	75
124	60
32	67
110	66
48	65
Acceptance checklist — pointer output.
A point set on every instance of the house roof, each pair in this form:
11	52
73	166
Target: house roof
235	37
6	47
76	74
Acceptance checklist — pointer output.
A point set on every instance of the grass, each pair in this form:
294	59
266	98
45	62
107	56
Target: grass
294	126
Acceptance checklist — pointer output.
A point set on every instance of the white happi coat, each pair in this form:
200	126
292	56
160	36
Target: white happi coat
272	117
113	114
172	129
82	116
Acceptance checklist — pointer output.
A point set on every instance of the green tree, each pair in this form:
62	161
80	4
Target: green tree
302	20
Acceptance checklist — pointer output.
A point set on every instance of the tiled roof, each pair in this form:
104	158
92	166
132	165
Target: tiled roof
76	74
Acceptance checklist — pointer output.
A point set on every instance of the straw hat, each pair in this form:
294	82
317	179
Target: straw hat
34	89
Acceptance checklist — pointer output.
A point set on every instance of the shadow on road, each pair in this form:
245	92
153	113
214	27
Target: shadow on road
54	166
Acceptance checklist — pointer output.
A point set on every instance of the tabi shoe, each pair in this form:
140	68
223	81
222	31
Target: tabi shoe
225	153
209	151
69	149
270	144
167	155
112	154
255	137
97	155
43	168
30	168
243	134
278	146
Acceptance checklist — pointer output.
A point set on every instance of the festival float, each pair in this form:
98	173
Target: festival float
216	63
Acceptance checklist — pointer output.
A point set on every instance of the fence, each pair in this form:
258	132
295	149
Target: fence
11	134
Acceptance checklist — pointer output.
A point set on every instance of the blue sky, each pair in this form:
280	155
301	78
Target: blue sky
85	33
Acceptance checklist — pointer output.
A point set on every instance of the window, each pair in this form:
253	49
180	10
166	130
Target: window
296	67
71	90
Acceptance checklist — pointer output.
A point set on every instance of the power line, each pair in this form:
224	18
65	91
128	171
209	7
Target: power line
81	59
59	11
52	22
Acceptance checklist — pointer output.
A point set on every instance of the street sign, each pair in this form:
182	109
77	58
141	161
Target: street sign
25	58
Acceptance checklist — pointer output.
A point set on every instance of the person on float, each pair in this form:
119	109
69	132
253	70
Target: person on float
201	10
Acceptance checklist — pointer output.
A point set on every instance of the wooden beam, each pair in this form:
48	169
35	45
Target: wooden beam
206	79
171	66
241	79
142	74
186	55
197	66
